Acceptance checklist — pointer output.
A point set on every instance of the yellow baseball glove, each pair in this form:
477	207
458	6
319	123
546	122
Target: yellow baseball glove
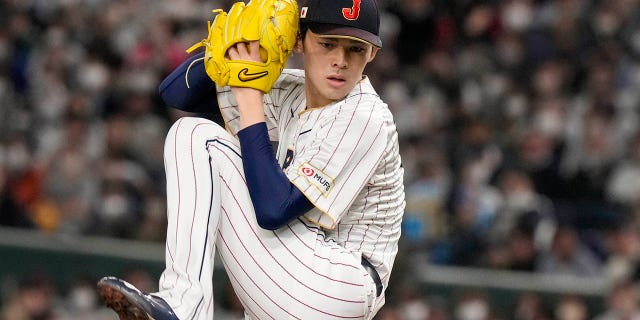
274	23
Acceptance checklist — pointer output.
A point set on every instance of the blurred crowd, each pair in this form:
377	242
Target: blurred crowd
520	126
621	302
36	297
518	121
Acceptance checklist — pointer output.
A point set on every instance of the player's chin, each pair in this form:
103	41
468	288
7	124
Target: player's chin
335	95
337	91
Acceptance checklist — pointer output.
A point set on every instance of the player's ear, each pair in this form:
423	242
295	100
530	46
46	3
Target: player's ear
374	51
297	48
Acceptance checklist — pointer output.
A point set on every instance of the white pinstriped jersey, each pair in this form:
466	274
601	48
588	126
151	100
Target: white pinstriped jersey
344	157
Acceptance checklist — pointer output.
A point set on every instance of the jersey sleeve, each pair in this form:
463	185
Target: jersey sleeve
334	167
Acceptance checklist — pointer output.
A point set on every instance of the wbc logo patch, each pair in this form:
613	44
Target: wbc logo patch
317	178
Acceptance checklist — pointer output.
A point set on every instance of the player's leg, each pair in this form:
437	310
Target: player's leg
284	274
289	273
293	274
192	212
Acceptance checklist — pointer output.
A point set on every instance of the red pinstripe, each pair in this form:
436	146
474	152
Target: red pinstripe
259	240
239	284
364	235
277	261
297	237
195	207
350	173
304	147
241	219
324	276
269	277
210	303
238	170
284	245
175	157
367	238
335	149
230	270
316	255
378	211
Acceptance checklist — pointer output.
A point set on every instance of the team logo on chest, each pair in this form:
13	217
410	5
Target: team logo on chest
317	178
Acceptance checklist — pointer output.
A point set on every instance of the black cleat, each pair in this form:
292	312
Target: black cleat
132	304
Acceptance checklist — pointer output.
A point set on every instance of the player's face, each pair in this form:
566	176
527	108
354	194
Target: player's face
333	66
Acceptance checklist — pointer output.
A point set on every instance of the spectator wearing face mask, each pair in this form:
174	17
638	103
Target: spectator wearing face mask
571	307
569	256
622	303
34	299
472	305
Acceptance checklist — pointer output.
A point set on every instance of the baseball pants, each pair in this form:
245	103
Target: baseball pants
289	273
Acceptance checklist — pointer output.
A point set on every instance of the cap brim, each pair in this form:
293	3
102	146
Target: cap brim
338	31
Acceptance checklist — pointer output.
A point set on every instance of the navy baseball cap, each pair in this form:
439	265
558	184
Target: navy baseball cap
356	19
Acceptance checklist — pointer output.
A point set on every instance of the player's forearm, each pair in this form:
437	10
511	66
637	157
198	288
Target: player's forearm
250	105
275	199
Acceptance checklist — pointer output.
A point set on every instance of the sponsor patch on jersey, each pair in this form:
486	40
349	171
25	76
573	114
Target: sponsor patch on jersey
317	178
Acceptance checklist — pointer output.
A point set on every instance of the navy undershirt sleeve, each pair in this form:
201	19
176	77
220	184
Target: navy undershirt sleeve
200	96
275	199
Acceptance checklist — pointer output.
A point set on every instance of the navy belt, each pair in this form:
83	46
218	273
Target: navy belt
374	275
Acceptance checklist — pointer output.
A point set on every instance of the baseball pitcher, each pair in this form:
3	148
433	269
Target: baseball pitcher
301	192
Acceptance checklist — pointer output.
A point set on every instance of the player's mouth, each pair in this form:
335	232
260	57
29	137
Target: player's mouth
336	80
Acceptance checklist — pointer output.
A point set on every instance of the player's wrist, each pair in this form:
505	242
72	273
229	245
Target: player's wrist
250	105
247	96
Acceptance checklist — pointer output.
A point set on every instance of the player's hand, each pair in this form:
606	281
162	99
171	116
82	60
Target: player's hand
249	99
247	51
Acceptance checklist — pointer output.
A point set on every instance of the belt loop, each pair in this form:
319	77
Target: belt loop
374	275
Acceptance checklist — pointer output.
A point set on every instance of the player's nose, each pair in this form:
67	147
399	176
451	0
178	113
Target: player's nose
340	58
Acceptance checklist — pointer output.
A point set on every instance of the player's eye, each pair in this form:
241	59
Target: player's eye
357	49
326	45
